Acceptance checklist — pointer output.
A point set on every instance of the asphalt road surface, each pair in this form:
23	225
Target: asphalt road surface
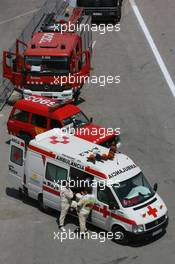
142	105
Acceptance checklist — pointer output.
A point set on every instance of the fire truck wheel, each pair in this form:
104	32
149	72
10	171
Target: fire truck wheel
119	235
119	15
26	137
41	205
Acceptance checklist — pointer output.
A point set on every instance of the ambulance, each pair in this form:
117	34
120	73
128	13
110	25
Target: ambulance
126	203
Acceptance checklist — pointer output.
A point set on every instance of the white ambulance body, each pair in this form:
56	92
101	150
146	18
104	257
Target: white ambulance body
125	202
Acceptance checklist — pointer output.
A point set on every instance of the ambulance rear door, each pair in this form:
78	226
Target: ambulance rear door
16	162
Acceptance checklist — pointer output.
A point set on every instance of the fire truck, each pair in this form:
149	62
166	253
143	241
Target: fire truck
56	62
126	204
102	9
34	115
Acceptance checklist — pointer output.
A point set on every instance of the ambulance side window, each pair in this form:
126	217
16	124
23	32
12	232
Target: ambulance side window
55	173
21	115
105	196
39	121
16	155
79	178
55	123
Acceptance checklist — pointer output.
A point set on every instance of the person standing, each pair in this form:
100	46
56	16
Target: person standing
85	206
66	196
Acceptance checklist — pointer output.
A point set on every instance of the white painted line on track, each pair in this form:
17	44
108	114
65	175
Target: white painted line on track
93	44
19	16
151	42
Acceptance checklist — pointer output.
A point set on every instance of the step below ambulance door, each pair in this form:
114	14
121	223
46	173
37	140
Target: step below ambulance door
102	208
56	174
16	162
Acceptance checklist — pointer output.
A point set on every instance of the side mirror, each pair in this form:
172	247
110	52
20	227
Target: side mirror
91	119
155	187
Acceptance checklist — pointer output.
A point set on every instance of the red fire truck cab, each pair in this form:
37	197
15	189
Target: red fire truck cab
56	62
34	115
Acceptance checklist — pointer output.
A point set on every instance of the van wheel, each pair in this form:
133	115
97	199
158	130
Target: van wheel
26	137
76	96
120	235
41	205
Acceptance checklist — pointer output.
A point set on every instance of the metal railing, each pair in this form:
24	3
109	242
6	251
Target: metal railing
6	87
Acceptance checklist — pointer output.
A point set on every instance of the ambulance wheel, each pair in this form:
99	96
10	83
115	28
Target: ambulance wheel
41	205
119	235
20	193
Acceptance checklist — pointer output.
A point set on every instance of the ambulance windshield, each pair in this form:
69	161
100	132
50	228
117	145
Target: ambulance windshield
133	191
47	64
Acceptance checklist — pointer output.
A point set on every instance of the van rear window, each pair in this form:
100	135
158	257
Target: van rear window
21	115
16	155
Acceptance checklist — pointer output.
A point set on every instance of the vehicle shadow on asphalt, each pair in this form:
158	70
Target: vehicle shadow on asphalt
147	242
72	219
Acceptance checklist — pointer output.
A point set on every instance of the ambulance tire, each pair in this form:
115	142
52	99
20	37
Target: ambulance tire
41	205
120	235
25	195
20	193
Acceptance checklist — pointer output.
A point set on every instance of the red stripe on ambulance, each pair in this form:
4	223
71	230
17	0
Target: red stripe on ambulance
107	213
50	190
95	172
123	219
43	152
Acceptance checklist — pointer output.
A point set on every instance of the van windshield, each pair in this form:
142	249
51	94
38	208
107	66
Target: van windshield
76	121
48	64
133	191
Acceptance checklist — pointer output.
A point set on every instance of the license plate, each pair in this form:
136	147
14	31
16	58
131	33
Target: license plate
157	232
46	94
97	14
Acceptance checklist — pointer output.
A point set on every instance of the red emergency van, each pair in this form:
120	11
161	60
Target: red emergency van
35	114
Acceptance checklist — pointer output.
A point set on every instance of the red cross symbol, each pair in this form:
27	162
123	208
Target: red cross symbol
152	211
55	140
16	155
104	211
